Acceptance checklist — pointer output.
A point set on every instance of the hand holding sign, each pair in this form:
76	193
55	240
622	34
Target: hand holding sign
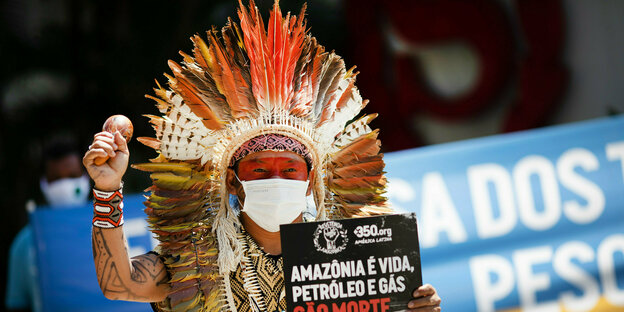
426	299
364	264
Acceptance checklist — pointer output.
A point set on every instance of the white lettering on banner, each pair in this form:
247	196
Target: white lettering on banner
438	213
493	275
544	170
488	292
580	157
479	177
606	265
535	192
570	272
615	151
529	282
485	178
501	199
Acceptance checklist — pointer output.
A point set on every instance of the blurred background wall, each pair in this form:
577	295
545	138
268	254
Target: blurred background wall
435	70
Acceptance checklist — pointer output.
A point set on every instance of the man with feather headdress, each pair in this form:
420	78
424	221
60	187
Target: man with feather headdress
265	115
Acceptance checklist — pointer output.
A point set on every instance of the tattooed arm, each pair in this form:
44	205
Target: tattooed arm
142	278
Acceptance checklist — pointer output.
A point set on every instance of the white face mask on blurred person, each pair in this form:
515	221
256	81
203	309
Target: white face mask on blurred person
66	191
271	202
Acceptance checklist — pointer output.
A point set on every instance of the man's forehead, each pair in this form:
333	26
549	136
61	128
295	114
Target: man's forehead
271	142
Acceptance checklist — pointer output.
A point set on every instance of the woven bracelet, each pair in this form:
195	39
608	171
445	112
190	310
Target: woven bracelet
108	209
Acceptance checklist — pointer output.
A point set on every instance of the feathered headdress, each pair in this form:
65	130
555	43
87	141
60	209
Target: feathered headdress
238	84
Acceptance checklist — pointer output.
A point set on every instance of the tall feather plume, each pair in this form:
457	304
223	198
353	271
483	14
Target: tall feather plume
328	95
193	98
206	85
307	77
333	68
273	55
228	77
236	49
254	37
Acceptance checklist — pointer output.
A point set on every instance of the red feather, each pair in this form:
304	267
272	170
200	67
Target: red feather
229	78
273	56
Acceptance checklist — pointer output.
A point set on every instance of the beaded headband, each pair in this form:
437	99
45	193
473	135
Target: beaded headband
271	142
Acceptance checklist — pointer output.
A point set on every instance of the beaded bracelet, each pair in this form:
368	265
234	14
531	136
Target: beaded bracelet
108	209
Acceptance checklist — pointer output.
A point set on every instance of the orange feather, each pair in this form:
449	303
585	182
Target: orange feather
273	55
200	51
192	98
309	78
150	142
230	78
346	95
368	166
332	72
365	145
368	183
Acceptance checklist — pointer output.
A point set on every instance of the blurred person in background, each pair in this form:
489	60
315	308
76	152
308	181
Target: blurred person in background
63	185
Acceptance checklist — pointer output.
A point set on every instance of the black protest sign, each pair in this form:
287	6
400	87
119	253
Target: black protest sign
354	265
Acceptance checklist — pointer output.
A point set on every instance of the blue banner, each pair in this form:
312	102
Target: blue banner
525	221
67	280
530	221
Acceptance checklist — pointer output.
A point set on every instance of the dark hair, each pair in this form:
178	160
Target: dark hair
59	147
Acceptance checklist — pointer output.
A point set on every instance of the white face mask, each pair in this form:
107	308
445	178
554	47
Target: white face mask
271	202
66	191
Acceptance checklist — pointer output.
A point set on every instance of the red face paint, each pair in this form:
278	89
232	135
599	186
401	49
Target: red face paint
272	164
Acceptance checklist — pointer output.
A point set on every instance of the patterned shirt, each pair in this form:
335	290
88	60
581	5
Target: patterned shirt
269	274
